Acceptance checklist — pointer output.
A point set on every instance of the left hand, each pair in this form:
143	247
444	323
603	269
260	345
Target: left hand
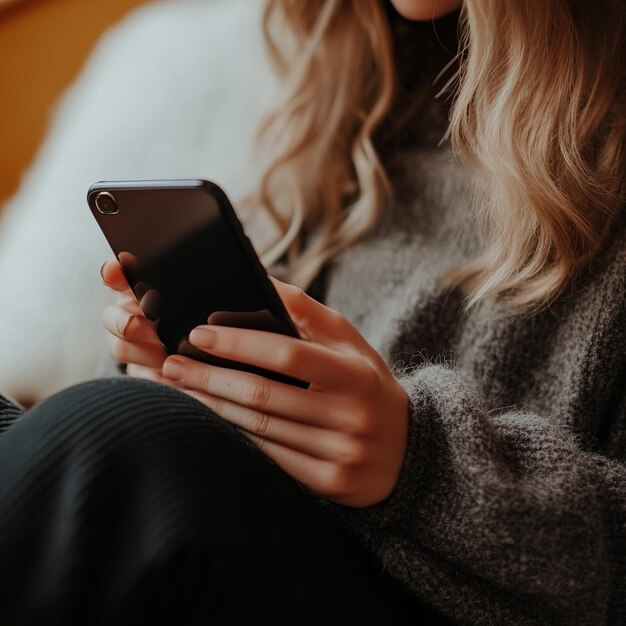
343	438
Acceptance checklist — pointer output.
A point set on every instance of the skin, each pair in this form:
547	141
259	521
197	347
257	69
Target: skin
425	9
344	438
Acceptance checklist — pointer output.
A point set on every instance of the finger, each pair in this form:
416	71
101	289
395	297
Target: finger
258	393
135	328
148	373
317	442
148	355
151	304
129	262
323	324
318	476
311	362
130	305
321	477
113	277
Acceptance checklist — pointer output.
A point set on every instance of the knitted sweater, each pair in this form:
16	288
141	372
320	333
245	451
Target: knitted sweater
511	504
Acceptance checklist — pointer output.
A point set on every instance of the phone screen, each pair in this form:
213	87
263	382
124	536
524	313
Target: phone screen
188	263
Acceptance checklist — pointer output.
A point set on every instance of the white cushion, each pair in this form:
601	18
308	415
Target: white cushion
175	91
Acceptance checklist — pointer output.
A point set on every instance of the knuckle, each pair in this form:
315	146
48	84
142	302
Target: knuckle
370	379
259	423
371	376
256	395
259	442
204	377
298	298
298	294
358	421
216	405
287	357
352	452
336	482
336	319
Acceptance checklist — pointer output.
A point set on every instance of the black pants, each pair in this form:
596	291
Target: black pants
127	502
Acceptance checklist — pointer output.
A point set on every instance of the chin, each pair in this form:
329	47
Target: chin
422	10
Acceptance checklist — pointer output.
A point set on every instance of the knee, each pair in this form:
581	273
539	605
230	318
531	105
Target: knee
148	454
125	401
136	425
125	396
179	463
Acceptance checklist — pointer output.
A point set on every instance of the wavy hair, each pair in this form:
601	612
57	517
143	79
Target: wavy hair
538	111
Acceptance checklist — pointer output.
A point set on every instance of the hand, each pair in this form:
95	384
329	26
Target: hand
133	338
344	437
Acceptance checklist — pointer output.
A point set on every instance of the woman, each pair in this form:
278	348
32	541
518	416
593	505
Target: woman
465	463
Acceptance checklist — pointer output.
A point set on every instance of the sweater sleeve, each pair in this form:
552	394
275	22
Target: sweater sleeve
499	517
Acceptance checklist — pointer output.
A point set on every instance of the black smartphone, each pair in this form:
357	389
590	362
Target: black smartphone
188	262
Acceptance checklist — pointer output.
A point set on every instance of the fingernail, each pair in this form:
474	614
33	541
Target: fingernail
141	289
173	370
203	337
102	273
122	324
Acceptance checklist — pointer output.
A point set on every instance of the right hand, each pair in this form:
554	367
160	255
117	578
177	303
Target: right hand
133	338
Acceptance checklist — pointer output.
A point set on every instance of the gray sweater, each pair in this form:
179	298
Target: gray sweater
511	503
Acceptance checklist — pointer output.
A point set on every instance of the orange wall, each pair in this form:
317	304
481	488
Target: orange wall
43	44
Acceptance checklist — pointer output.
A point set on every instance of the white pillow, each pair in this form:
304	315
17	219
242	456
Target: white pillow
175	91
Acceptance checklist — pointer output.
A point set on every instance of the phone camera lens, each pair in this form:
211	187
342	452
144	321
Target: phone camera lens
105	202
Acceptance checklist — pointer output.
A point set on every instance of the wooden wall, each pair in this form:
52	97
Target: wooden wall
43	44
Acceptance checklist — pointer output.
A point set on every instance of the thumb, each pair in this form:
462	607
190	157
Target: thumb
321	323
113	277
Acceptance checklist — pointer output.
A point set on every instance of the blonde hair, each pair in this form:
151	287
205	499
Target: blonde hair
538	112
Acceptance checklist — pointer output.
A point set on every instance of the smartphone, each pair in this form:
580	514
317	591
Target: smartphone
189	262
